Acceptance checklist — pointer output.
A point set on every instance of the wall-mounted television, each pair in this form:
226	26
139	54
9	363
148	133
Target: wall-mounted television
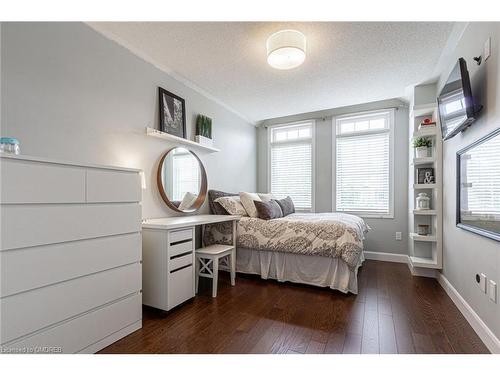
455	102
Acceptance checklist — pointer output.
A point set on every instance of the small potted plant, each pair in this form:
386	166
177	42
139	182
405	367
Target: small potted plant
204	130
421	146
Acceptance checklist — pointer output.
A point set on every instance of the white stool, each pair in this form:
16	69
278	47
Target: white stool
211	255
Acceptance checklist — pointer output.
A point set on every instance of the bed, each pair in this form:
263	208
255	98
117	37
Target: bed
323	249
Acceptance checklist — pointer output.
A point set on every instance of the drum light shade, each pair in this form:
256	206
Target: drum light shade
286	49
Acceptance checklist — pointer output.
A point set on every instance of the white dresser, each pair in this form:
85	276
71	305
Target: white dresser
168	247
70	255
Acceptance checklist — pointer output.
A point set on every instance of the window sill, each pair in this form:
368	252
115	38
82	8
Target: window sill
367	215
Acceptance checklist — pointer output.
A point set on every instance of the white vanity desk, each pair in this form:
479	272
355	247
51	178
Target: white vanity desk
168	254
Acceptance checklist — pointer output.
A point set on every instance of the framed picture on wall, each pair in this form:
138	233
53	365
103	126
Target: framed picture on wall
172	113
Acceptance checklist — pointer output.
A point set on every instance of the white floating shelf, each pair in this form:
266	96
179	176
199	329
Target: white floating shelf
424	109
420	161
174	139
424	186
418	237
425	212
423	262
425	133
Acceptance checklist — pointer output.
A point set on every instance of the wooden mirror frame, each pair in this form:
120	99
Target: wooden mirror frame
203	188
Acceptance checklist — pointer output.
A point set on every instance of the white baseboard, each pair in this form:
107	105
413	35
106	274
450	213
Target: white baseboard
423	272
386	257
490	340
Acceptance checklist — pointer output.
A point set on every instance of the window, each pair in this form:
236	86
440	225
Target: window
363	164
291	163
186	174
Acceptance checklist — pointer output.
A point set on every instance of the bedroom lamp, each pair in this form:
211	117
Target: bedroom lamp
286	49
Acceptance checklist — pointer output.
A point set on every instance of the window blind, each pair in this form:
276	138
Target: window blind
363	164
291	164
186	175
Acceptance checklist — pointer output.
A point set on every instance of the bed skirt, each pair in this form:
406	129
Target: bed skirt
297	268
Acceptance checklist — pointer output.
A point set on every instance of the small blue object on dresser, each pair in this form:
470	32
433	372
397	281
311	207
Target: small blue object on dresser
9	145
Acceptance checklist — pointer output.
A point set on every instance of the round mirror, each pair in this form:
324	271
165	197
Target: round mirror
182	180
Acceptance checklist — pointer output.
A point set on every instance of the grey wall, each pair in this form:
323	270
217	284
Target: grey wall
70	93
466	253
382	238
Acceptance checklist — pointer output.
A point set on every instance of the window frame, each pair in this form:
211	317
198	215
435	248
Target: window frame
270	129
390	131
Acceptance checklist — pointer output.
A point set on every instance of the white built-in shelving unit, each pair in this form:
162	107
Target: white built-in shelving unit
426	251
178	140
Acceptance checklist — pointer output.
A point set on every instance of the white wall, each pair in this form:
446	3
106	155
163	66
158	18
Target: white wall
382	238
70	93
466	253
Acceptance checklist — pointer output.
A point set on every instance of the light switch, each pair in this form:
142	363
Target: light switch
492	291
487	49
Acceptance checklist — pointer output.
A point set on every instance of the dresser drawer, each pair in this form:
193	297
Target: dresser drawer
38	266
32	182
91	327
180	248
33	225
113	186
180	235
181	261
180	286
27	312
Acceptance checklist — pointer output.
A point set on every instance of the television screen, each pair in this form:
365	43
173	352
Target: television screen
456	107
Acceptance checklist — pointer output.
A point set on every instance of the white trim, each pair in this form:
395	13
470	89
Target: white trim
186	82
422	272
485	334
386	257
392	125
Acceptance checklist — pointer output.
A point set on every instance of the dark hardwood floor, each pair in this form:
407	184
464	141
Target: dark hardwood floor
393	313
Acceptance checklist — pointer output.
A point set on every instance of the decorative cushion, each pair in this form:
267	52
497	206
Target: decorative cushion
247	200
268	210
232	205
187	201
286	205
265	197
216	208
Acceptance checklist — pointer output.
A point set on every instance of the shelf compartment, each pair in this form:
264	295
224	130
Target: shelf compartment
423	262
425	133
174	139
418	237
425	212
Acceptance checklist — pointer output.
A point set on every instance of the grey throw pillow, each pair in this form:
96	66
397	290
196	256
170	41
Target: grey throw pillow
286	206
268	210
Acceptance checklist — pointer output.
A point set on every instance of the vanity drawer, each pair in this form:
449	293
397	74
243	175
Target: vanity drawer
180	286
180	248
181	235
180	262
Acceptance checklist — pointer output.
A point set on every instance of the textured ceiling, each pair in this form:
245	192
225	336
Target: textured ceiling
347	63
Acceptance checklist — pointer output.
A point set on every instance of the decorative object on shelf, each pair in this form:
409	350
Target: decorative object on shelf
423	229
427	124
286	49
172	113
423	202
425	175
421	146
9	145
204	130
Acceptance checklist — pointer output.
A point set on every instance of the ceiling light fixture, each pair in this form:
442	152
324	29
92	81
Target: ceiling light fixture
286	49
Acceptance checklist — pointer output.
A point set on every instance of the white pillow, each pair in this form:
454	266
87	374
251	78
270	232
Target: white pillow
266	197
232	205
187	201
247	202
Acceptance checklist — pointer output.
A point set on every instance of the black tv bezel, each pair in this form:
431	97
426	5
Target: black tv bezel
469	102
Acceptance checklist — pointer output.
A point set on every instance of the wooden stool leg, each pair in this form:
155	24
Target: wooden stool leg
197	275
232	265
215	265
